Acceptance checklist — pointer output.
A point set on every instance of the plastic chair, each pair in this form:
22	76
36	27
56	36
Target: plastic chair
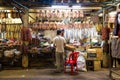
72	61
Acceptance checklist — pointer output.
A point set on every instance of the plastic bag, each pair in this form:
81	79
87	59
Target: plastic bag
81	63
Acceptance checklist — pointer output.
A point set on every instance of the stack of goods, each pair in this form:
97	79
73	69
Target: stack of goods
11	53
34	50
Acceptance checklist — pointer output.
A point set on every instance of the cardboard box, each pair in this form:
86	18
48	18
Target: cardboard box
97	65
96	53
93	64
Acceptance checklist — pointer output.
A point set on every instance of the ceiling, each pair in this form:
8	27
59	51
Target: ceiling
39	3
107	4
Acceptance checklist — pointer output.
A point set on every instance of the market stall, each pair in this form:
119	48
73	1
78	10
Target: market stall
36	27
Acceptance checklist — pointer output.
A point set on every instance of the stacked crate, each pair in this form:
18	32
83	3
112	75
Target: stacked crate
94	58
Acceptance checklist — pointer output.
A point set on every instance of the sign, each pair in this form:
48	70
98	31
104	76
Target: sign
91	55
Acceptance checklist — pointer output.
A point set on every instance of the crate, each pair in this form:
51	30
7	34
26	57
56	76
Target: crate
91	53
99	52
95	53
93	64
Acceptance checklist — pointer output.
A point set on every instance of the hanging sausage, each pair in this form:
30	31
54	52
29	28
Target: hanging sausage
6	14
2	14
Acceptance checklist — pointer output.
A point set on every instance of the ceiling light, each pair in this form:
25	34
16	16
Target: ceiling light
113	13
76	6
100	15
59	6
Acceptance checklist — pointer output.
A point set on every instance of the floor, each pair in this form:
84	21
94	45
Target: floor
46	72
49	74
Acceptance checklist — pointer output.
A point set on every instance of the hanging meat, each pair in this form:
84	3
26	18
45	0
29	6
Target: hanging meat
48	14
53	14
43	14
60	14
57	14
40	14
40	25
63	14
49	24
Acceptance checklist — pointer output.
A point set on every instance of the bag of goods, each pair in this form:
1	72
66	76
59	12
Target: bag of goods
8	54
17	53
34	50
45	50
81	63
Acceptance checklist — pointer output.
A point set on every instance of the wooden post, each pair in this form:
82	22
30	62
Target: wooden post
25	59
25	18
103	17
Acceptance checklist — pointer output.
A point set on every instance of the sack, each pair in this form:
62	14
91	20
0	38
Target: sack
17	53
81	63
8	54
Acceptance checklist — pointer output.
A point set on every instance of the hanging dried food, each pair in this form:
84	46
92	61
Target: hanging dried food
6	14
17	15
3	27
40	14
0	28
12	14
2	14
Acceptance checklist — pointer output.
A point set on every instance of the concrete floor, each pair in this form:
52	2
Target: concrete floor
48	74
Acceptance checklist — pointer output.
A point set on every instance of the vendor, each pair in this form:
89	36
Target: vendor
59	43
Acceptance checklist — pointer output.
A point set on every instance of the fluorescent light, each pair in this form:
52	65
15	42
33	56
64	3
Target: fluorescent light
113	13
65	6
76	6
59	6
